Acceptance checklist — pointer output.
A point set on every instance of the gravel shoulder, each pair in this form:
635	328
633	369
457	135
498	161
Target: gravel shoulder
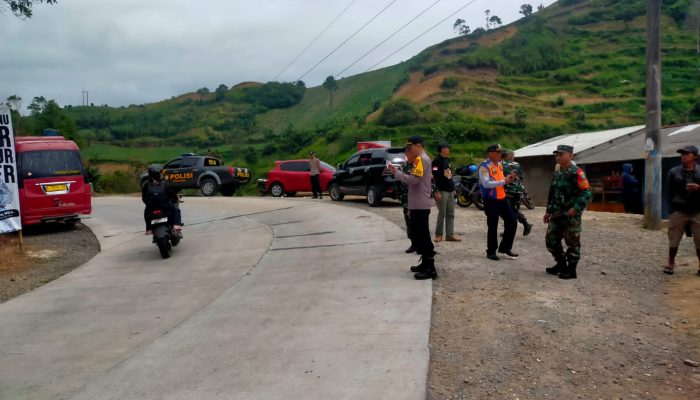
50	251
508	330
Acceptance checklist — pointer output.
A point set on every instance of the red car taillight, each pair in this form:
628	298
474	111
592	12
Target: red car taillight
231	171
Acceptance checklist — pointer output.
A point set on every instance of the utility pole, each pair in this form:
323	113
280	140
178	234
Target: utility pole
652	171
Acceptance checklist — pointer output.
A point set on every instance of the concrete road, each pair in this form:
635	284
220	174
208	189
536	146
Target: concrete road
264	299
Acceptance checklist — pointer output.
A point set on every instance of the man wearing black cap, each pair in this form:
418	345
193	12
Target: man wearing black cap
444	195
684	197
569	195
492	182
419	203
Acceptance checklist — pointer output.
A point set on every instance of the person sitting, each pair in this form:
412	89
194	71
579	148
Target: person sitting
156	195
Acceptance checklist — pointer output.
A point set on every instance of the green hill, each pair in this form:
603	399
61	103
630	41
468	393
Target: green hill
574	66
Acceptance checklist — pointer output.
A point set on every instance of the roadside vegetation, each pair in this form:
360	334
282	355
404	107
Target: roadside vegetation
574	66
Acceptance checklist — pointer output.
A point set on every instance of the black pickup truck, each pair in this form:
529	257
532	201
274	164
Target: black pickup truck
208	174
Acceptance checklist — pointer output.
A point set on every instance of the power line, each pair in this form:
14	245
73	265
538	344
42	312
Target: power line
348	39
316	38
389	37
421	35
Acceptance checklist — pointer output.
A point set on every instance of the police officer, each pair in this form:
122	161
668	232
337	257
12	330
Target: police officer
514	190
569	195
155	194
419	203
492	181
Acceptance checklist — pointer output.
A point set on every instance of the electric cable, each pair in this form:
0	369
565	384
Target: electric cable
315	39
348	39
389	37
421	35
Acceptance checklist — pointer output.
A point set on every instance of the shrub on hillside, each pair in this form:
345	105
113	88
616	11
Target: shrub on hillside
449	82
274	95
119	182
431	70
399	112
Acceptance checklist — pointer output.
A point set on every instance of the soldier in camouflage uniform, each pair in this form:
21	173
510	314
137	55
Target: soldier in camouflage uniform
402	193
569	195
514	190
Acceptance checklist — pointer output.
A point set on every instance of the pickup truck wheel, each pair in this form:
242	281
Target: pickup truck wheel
209	187
229	190
334	191
276	189
373	197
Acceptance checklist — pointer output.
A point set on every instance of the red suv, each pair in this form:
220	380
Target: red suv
292	176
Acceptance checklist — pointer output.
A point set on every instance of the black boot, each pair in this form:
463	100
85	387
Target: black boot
428	271
570	271
420	267
559	268
528	228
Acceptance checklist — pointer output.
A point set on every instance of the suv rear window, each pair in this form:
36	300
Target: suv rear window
295	166
50	163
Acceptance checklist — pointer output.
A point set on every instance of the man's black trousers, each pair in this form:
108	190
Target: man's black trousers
495	209
420	232
316	185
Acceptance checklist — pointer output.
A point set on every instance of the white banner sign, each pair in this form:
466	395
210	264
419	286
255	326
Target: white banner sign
10	220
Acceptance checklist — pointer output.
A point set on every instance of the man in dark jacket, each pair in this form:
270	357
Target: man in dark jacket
444	195
684	198
155	195
630	190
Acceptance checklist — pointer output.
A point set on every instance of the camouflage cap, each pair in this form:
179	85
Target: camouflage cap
564	148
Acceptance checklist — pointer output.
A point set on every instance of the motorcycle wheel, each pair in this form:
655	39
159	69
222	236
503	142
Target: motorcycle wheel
478	200
463	200
163	247
527	202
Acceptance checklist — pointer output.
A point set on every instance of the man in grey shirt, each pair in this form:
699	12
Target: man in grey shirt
315	175
420	190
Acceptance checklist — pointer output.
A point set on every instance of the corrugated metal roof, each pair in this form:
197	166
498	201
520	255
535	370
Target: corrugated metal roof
632	147
580	141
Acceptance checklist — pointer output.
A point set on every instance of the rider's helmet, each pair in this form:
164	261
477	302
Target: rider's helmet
154	172
473	168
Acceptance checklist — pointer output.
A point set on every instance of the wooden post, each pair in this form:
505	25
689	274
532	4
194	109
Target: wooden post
21	241
652	173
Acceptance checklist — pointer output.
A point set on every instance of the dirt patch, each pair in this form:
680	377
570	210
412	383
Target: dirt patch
50	251
418	88
112	167
507	330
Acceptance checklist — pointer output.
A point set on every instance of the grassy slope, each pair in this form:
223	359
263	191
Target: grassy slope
355	97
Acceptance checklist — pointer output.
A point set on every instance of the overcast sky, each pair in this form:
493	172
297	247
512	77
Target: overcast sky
139	51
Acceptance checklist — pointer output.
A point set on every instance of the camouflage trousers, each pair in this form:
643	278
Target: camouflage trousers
569	229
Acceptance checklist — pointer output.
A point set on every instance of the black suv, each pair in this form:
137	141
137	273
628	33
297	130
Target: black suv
209	174
366	174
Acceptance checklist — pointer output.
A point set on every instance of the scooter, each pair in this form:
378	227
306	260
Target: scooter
526	200
467	189
165	236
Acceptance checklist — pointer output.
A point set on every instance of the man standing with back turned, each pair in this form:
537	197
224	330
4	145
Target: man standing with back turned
420	190
569	195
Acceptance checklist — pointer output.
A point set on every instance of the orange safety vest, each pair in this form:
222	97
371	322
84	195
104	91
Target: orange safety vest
496	173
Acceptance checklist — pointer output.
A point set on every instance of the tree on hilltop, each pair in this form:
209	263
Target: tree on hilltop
220	92
526	10
331	85
203	92
22	8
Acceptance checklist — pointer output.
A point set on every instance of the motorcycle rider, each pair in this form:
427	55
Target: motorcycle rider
514	190
156	195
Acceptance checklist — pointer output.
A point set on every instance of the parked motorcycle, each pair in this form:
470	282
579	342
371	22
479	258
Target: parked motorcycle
467	189
526	200
164	235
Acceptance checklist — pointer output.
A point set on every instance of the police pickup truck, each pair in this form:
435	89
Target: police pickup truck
190	171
